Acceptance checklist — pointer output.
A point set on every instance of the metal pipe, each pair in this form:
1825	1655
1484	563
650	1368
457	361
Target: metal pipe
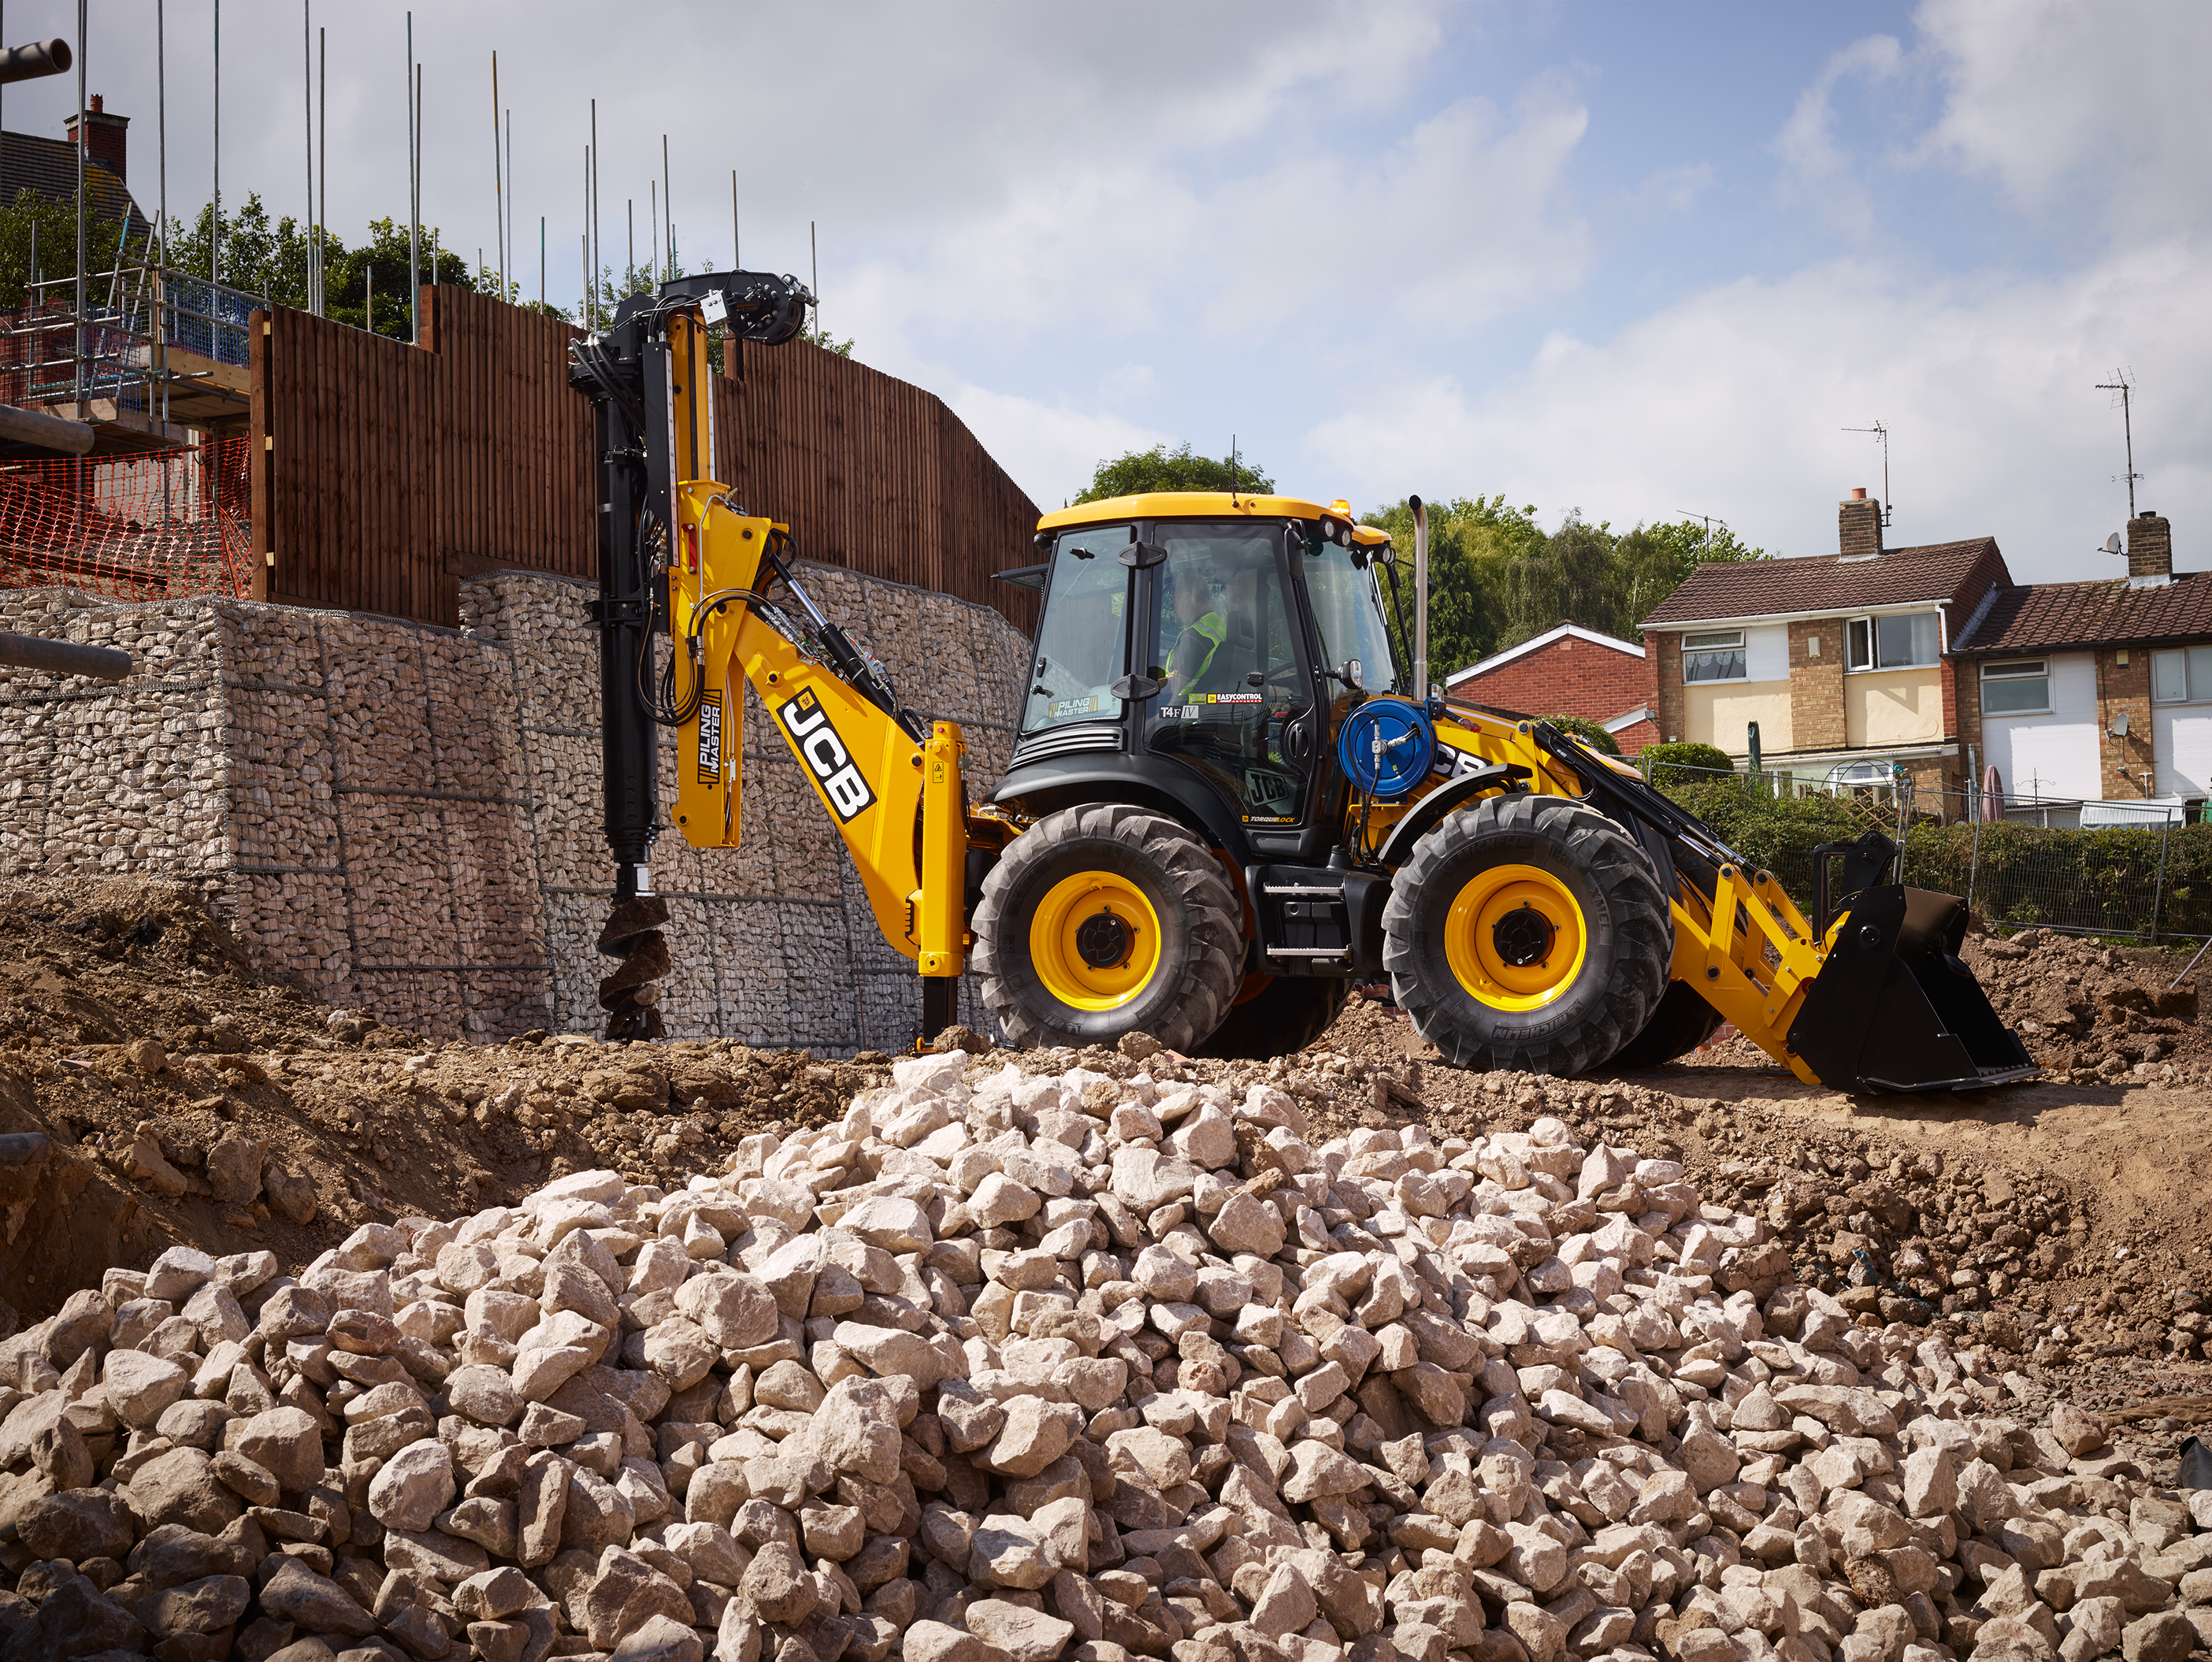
40	57
414	192
214	202
36	652
83	133
1421	598
322	173
34	426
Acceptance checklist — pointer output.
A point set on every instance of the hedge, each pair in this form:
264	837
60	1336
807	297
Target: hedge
1674	765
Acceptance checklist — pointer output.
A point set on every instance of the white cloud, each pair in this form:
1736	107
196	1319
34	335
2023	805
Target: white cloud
1037	442
1816	168
1732	401
2101	107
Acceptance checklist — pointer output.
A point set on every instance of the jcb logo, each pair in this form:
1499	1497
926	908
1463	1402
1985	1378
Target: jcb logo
808	724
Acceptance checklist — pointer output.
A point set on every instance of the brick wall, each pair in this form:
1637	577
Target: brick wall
1816	684
1567	678
2121	762
1662	652
1973	756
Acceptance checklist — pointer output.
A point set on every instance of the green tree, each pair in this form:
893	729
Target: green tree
51	223
1161	469
271	261
1573	578
1471	542
1653	560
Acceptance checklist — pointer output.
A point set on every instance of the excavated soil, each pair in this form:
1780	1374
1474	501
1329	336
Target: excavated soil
2057	1222
185	1102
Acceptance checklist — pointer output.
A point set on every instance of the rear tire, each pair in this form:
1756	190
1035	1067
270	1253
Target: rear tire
1104	920
1286	1015
1681	1024
1528	932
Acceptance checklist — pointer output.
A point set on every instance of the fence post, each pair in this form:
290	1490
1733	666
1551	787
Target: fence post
2158	889
1973	863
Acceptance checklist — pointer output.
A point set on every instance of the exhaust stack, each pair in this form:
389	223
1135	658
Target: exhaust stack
1421	598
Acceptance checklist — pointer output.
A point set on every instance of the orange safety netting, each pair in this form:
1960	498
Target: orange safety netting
145	527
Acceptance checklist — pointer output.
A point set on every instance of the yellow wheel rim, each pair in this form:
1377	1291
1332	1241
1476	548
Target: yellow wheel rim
1515	938
1095	941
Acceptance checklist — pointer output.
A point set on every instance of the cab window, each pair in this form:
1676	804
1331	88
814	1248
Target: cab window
1348	613
1083	634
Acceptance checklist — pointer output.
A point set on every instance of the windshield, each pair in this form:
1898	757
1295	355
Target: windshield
1349	613
1081	645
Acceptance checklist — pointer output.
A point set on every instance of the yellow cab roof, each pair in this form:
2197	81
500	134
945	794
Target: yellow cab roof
1183	505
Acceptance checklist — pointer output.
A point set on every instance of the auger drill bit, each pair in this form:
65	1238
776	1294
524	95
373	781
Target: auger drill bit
631	996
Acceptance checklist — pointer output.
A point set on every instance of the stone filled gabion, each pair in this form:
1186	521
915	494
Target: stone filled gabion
1007	1367
407	820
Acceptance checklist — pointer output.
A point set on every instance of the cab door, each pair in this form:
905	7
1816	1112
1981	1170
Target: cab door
1234	701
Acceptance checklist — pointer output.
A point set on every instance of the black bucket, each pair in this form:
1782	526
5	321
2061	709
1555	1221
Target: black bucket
1894	1009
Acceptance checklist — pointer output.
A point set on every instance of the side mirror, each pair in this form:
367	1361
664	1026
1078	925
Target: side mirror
1349	675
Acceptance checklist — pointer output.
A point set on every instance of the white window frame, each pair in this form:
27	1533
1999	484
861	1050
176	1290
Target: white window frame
2190	692
2017	670
1872	624
1716	640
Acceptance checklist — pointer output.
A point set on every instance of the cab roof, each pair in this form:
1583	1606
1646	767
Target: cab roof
1185	504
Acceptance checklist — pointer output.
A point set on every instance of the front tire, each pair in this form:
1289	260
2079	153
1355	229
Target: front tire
1528	932
1104	920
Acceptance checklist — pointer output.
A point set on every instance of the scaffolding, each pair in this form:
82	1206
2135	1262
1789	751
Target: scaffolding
163	352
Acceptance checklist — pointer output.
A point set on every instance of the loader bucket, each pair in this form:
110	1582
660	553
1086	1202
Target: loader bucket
1894	1010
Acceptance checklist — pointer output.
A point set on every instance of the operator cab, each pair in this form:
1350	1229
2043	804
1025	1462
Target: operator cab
1224	635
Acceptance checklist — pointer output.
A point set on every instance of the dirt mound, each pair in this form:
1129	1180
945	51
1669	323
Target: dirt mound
2086	1012
187	1103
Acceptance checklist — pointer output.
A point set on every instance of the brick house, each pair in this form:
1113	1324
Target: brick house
1569	670
2095	692
1844	661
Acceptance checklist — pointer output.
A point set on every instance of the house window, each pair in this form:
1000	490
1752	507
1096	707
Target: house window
2016	686
2181	675
1714	656
1891	643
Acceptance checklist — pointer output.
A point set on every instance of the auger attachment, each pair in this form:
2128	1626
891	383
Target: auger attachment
631	996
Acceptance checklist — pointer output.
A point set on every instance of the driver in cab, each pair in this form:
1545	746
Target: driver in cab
1204	631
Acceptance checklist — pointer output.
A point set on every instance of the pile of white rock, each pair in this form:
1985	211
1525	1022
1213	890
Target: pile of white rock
1011	1365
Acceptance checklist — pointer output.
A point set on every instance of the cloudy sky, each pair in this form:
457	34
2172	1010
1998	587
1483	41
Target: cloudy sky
1642	260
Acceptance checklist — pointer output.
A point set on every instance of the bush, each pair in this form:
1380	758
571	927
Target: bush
1589	732
1771	834
1673	765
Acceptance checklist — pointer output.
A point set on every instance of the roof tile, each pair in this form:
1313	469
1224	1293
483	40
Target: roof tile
2047	616
1822	585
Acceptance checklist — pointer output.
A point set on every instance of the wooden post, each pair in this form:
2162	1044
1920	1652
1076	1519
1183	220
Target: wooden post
260	460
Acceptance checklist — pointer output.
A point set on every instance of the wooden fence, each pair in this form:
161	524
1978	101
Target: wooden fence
383	475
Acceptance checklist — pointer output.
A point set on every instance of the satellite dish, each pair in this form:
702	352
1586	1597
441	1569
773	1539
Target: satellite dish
2112	543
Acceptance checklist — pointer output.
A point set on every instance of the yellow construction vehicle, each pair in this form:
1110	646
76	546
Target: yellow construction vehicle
1231	796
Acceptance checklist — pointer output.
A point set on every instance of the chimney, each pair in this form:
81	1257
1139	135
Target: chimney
106	142
2150	545
1858	525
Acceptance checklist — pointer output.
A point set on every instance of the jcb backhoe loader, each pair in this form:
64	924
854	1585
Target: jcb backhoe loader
1230	797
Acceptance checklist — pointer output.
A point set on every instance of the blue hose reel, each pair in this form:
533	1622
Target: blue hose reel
1386	747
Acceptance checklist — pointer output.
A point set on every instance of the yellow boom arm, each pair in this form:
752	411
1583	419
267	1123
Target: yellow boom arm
897	802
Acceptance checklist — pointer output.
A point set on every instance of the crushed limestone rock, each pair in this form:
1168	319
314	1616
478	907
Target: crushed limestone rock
1095	1362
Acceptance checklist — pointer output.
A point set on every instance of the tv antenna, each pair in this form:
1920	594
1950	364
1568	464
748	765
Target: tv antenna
2124	390
1881	433
1708	520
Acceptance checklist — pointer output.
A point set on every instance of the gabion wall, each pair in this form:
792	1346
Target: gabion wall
405	820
